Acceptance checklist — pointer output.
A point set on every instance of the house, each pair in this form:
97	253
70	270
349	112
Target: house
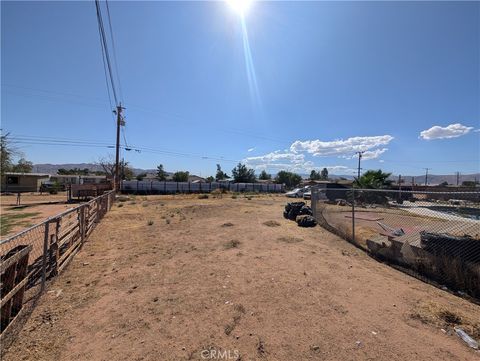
78	179
23	182
196	179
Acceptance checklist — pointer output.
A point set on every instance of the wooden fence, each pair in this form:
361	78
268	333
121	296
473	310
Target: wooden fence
31	257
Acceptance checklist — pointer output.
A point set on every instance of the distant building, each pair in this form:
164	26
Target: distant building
78	179
196	179
23	182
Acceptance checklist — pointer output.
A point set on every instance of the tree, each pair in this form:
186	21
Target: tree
443	184
141	176
469	183
373	179
221	175
108	165
324	174
180	176
242	174
288	178
161	174
126	172
210	179
314	175
264	175
7	153
23	166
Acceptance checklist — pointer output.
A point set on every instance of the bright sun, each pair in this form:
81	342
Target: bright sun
240	6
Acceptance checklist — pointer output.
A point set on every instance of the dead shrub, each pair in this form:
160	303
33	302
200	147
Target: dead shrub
271	223
289	239
232	244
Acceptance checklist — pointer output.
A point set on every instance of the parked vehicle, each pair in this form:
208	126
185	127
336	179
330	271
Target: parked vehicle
307	194
297	192
51	187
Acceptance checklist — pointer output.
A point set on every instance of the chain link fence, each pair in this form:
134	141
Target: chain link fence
434	236
31	257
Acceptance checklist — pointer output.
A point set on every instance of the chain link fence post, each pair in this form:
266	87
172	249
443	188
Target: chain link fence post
353	215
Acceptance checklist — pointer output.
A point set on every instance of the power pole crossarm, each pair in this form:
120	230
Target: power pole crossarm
359	159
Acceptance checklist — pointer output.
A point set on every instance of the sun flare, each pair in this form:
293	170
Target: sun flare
240	6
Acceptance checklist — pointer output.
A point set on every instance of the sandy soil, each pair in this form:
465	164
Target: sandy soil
168	278
40	206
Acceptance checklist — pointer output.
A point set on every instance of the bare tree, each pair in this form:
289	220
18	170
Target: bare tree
108	165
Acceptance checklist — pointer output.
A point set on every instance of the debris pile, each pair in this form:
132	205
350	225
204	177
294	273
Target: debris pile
301	213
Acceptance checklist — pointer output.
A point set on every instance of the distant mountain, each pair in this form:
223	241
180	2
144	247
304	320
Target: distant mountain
434	179
53	168
419	179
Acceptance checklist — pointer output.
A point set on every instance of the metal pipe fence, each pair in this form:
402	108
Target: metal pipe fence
31	257
434	236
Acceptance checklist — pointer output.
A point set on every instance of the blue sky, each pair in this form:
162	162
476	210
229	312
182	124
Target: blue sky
398	80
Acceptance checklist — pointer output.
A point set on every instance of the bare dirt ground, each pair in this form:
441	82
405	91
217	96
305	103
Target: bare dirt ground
167	278
34	208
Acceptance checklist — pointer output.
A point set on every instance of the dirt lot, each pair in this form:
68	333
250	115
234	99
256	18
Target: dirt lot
33	209
168	278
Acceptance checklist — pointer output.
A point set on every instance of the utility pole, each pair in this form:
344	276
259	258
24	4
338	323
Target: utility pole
458	178
120	122
426	175
359	158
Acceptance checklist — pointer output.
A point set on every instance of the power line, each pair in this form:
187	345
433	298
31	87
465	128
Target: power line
105	53
114	51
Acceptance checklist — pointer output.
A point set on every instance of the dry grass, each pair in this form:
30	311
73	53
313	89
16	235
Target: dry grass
441	316
271	224
289	239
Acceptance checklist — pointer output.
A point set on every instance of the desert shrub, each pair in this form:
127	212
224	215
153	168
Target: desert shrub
271	223
203	196
232	244
150	222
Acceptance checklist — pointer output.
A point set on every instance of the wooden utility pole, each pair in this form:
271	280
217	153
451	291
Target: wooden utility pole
117	148
458	178
426	175
359	158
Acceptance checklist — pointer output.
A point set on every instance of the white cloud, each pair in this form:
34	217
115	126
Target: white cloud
450	131
275	157
282	160
342	147
250	149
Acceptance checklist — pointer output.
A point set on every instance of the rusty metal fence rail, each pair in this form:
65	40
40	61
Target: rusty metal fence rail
31	257
434	236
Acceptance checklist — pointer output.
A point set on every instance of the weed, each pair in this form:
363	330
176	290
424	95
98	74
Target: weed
271	223
289	239
8	221
232	244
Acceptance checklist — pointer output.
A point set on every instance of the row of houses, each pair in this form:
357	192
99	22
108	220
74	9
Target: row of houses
34	182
